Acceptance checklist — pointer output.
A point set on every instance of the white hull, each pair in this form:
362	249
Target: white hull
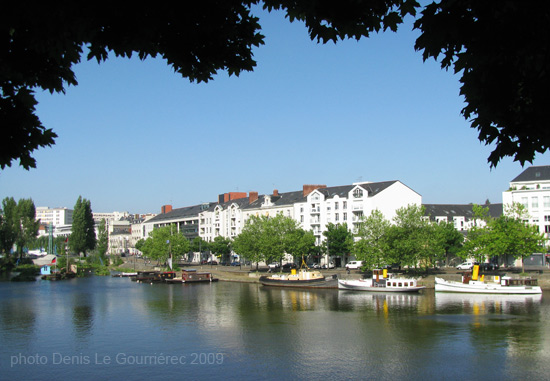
370	286
442	285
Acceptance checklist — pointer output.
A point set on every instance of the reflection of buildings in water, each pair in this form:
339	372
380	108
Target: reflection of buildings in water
485	303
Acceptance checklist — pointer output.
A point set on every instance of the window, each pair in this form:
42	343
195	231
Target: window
345	216
547	228
358	193
336	206
546	201
345	203
535	202
524	202
337	217
547	218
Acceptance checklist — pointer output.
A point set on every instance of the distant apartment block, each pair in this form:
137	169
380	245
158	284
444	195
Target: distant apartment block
531	188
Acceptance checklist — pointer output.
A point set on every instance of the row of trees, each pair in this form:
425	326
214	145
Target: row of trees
19	227
411	240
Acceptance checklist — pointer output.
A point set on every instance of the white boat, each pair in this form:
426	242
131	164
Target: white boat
495	285
390	283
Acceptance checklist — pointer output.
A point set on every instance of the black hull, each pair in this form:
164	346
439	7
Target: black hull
329	282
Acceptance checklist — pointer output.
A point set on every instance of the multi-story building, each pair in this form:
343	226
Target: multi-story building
60	219
531	188
461	215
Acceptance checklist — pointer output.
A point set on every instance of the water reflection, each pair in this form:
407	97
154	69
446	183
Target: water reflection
270	333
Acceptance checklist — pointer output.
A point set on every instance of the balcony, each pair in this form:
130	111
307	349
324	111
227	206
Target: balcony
316	210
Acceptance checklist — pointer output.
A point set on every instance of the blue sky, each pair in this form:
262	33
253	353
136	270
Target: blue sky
133	135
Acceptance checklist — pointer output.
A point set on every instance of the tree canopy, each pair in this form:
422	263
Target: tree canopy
499	47
82	238
18	224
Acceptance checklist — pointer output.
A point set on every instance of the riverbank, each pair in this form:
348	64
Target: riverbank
247	274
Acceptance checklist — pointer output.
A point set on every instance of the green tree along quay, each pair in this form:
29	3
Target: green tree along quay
268	239
504	70
82	238
450	239
300	244
221	247
372	244
248	243
478	237
162	242
510	235
338	240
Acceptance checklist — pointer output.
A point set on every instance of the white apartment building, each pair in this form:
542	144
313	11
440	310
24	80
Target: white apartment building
349	204
55	216
531	188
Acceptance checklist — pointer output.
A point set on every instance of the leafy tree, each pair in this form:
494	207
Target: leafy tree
450	239
372	244
504	70
510	235
267	239
412	240
247	243
27	229
8	231
478	238
102	239
82	237
338	240
163	242
300	243
221	247
18	225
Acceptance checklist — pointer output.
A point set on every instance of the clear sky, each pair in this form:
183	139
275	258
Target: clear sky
133	135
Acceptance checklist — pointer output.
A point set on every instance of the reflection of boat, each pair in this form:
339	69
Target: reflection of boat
387	283
496	285
504	301
192	276
302	278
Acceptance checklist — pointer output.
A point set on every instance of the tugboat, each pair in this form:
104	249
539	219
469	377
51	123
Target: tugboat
473	283
303	278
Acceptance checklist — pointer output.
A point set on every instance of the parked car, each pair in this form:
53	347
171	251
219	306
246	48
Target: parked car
354	265
313	266
235	263
290	265
329	266
465	266
489	266
274	265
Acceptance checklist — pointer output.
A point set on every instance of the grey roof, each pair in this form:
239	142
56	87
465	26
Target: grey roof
534	173
180	213
459	210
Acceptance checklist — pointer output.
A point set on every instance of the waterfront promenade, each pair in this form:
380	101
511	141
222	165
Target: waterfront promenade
249	275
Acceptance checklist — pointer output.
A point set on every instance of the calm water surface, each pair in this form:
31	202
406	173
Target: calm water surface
103	327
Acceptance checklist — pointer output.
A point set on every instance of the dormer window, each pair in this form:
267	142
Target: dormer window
358	193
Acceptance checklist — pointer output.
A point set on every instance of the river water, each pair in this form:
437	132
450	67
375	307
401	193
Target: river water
104	328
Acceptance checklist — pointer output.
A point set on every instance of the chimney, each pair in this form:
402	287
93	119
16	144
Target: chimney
308	188
275	192
165	209
252	196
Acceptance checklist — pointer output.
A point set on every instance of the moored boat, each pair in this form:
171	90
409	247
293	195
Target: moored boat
380	283
302	278
495	285
192	276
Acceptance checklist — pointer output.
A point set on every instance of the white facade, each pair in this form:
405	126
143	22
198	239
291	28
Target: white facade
532	189
55	216
350	204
